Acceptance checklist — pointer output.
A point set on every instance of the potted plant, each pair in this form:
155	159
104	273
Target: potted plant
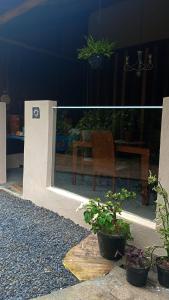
90	121
95	51
162	262
137	266
97	119
62	134
112	232
129	123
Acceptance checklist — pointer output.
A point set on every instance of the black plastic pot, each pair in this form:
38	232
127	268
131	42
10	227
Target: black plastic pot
96	61
137	276
163	274
111	246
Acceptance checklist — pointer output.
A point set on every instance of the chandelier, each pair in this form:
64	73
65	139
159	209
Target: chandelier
142	63
139	65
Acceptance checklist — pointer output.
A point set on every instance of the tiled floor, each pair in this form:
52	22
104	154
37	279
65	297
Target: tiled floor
15	180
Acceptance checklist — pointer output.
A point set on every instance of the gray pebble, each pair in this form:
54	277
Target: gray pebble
33	244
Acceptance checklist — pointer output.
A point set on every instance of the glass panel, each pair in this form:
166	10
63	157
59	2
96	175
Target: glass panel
106	149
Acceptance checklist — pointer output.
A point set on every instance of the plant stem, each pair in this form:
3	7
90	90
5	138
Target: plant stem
152	252
166	203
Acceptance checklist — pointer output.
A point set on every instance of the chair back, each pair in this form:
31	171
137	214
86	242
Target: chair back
103	152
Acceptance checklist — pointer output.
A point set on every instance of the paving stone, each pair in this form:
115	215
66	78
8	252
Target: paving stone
110	287
84	260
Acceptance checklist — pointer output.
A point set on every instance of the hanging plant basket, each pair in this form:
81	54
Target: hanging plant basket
96	51
96	61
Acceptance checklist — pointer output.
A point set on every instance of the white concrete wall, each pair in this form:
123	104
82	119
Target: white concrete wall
38	141
164	146
2	142
39	164
39	161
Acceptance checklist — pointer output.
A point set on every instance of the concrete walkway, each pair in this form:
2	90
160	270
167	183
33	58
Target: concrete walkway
110	287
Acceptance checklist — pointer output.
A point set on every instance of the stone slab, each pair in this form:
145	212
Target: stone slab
85	262
110	287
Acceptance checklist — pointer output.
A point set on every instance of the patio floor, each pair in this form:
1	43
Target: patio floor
34	242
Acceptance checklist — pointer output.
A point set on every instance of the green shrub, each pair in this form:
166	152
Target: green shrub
162	214
103	217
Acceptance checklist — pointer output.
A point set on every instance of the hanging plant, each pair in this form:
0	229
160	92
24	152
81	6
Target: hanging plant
96	51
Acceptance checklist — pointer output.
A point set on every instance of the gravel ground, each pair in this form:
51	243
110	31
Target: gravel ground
33	243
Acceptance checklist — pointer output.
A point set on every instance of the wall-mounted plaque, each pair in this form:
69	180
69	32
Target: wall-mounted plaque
36	113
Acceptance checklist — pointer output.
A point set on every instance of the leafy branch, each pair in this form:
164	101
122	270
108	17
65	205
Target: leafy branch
162	211
103	216
96	47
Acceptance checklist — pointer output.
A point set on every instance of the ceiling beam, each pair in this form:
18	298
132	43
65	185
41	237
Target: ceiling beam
35	49
20	10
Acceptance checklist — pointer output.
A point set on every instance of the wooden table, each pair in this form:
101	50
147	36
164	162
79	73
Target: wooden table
144	155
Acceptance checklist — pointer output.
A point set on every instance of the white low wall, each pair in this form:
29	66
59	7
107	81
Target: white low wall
39	161
65	204
2	143
164	146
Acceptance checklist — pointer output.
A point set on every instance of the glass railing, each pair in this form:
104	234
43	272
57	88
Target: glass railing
103	149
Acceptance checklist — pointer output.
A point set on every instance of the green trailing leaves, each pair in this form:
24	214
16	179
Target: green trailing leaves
96	47
162	212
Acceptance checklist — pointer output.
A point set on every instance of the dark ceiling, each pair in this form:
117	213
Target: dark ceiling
6	5
50	24
38	50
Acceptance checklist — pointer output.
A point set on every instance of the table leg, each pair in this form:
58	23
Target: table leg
74	165
144	177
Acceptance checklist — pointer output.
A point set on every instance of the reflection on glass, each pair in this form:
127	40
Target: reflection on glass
105	149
